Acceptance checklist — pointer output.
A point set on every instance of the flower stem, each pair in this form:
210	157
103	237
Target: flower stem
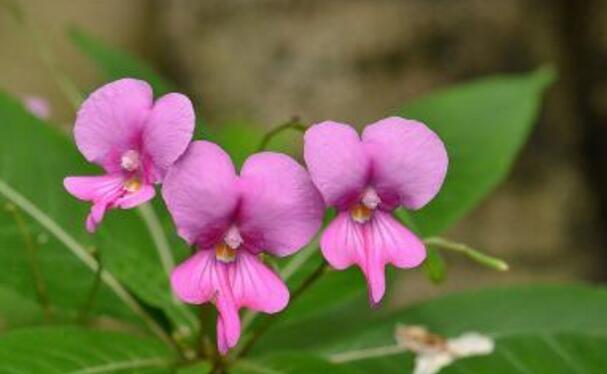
86	308
293	124
268	322
32	257
481	258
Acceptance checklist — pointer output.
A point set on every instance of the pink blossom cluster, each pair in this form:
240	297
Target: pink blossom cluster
273	205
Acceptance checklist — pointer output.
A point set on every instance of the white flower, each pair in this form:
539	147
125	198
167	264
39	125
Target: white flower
434	352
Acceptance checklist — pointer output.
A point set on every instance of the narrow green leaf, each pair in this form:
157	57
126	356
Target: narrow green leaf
484	124
70	350
16	311
288	363
563	353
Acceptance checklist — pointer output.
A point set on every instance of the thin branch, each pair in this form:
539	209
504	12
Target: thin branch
83	255
362	354
34	261
473	254
293	124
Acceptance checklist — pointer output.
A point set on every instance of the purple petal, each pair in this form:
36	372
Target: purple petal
389	242
200	191
409	161
38	106
337	162
101	190
201	279
131	200
342	243
281	210
255	286
371	246
168	130
110	121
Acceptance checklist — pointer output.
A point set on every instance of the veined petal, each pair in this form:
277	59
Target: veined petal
201	193
280	210
409	161
343	243
388	242
201	279
337	162
102	191
110	121
168	130
371	246
255	286
132	199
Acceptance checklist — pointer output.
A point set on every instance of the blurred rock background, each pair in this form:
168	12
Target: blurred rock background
357	60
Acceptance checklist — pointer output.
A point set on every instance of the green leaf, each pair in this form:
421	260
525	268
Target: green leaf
116	63
32	170
484	124
73	350
288	363
563	353
31	178
202	367
497	312
16	311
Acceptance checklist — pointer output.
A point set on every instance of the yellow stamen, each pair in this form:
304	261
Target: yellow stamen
360	213
225	253
132	184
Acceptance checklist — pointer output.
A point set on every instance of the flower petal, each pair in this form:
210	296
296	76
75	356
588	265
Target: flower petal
201	279
200	191
102	190
371	246
343	244
409	161
195	280
388	242
280	210
168	130
255	286
337	162
110	121
131	200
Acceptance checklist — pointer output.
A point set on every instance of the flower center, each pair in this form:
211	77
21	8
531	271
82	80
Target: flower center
226	250
132	184
363	211
130	160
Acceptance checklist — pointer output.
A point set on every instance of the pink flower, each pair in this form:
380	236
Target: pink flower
396	162
38	106
133	138
272	206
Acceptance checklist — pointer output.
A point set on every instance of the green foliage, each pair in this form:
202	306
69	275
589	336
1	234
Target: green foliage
483	124
74	350
562	353
289	363
502	313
